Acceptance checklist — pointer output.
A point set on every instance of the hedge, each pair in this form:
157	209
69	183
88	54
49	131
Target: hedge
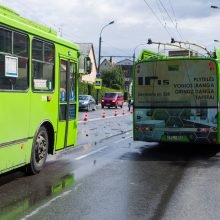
88	89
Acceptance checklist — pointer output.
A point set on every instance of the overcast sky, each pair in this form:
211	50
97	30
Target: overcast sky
135	21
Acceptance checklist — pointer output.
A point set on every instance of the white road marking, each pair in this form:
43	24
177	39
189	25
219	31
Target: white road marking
116	142
91	153
100	149
46	205
36	211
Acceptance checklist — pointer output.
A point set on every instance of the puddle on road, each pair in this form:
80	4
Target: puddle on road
18	206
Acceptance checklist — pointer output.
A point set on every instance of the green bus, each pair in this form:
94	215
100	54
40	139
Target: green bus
176	99
38	92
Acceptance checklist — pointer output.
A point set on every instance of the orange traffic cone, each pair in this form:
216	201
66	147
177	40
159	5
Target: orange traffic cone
131	111
116	113
85	118
104	114
123	112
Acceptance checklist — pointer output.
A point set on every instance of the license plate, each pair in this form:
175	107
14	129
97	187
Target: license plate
175	138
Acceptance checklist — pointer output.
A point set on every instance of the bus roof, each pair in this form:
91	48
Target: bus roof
146	54
11	18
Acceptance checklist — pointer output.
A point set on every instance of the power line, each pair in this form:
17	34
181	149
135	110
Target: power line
115	47
164	26
158	6
161	12
175	25
180	34
167	12
174	14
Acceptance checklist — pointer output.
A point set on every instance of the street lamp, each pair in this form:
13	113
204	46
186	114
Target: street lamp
99	59
142	44
215	7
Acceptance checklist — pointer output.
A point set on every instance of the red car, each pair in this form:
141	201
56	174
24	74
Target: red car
113	99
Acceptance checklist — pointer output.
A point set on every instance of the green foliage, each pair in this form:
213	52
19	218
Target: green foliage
126	95
116	86
89	89
84	89
112	77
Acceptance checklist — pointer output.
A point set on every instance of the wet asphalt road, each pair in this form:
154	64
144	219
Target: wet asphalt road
108	176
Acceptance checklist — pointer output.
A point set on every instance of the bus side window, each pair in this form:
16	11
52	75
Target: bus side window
14	53
42	65
72	82
62	94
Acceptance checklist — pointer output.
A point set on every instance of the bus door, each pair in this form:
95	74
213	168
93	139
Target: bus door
66	134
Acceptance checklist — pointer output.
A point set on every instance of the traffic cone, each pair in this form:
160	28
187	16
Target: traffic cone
123	112
116	113
103	114
85	118
131	111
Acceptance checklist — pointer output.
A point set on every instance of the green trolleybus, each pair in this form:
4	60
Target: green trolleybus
38	93
176	99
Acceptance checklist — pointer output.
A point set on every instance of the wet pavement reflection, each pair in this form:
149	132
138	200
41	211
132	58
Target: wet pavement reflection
20	192
120	179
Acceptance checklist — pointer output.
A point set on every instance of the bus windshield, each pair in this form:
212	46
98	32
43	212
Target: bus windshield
83	97
110	95
176	83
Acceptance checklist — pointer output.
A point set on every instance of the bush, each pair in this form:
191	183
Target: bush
126	95
116	86
83	88
88	89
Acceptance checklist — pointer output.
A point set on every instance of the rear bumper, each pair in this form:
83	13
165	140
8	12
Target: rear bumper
110	104
186	135
83	107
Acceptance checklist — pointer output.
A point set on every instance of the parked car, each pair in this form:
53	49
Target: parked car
113	99
87	102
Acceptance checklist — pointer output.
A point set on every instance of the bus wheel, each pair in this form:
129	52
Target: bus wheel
39	151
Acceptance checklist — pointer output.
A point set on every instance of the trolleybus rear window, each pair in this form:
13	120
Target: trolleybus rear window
192	83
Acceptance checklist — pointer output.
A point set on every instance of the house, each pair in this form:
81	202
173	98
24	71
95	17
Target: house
88	50
106	64
127	66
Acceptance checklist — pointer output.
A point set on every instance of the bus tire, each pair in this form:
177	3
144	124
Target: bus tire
39	151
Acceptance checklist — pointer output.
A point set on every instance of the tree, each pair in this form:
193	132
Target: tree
113	77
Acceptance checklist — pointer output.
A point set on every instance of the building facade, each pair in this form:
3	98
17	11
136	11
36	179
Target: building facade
127	66
88	50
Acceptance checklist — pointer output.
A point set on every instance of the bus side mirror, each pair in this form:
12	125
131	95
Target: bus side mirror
87	65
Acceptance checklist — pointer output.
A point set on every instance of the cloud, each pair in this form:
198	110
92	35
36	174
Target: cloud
82	20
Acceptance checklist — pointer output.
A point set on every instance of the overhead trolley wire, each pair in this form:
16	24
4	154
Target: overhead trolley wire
175	24
164	26
174	14
167	12
161	12
116	48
